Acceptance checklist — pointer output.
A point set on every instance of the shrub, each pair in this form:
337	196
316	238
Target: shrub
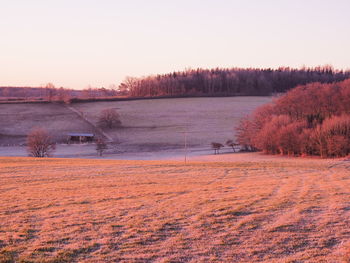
109	118
267	137
39	143
335	136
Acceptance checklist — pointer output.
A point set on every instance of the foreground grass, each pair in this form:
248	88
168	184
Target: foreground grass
65	210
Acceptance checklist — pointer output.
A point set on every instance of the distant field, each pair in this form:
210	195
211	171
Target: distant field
151	125
17	120
289	210
147	125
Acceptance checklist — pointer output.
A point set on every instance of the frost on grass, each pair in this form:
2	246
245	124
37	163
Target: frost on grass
137	211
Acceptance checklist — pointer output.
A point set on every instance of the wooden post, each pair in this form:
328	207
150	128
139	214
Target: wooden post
186	145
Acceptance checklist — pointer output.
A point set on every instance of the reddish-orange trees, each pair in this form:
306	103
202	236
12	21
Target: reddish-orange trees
333	136
309	120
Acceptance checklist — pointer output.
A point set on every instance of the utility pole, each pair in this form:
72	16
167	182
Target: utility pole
186	145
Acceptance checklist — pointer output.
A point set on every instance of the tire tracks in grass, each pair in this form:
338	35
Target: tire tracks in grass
283	222
176	226
226	237
300	225
252	227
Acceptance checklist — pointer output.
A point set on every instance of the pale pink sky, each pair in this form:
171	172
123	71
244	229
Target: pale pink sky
74	43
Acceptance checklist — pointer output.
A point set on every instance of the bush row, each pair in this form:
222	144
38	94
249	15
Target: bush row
312	119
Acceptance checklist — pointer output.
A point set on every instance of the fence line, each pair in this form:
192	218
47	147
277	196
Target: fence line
98	129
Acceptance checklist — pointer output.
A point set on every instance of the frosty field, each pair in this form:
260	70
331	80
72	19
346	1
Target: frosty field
148	126
261	210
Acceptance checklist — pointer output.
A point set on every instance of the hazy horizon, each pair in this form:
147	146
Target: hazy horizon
79	43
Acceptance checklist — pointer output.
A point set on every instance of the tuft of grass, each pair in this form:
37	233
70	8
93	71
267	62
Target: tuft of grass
7	256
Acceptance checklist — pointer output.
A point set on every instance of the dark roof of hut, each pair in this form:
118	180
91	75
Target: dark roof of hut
81	134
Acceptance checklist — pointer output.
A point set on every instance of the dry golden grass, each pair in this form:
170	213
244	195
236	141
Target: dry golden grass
66	210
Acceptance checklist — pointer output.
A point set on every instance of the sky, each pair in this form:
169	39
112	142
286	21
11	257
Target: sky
77	43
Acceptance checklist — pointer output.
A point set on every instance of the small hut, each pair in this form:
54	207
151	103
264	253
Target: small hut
80	137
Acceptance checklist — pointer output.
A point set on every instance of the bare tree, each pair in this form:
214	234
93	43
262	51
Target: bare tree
50	91
232	144
123	89
101	146
109	118
216	146
39	143
131	85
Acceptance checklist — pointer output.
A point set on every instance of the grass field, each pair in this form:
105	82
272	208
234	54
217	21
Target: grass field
148	126
17	120
289	210
152	125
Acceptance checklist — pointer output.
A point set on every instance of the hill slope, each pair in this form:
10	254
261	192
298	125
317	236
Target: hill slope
17	120
147	125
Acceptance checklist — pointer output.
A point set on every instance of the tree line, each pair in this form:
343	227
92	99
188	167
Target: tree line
228	82
190	82
187	83
51	93
312	119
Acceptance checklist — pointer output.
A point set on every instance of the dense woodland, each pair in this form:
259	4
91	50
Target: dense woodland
229	82
312	119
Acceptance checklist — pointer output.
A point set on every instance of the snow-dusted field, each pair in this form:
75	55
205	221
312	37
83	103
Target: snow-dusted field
162	124
151	129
